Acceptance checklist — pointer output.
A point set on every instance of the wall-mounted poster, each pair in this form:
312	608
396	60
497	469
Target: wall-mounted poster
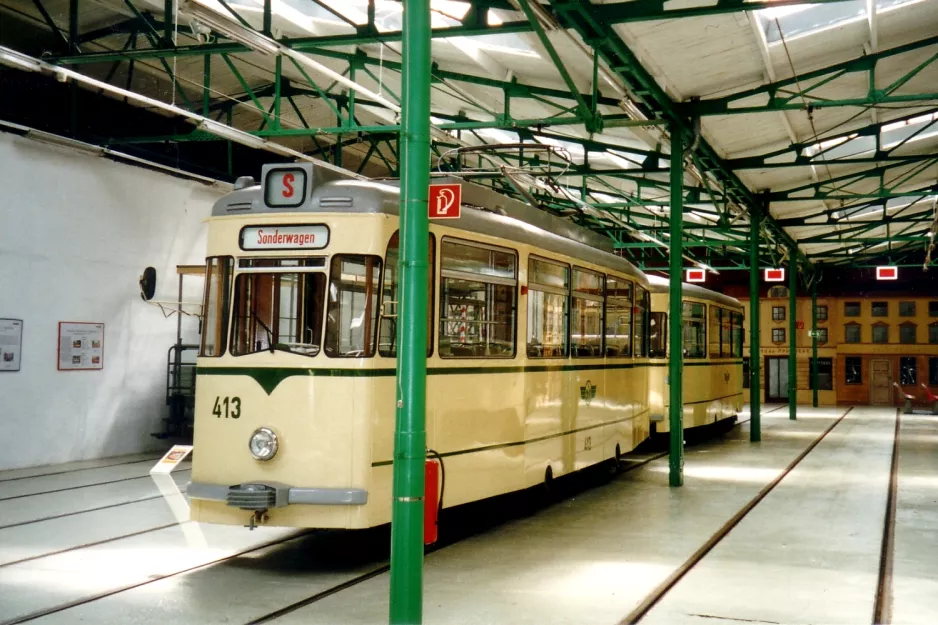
11	344
81	346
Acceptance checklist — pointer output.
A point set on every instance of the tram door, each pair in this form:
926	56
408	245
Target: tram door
776	378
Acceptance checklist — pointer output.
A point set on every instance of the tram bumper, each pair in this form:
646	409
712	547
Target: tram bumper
269	495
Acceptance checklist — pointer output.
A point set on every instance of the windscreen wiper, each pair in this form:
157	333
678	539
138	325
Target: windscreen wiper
270	335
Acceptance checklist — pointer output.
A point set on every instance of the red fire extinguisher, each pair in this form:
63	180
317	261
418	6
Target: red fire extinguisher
431	501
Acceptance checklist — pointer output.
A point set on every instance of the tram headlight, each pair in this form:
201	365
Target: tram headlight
263	444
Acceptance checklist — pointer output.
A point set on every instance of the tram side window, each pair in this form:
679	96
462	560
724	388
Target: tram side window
695	329
586	322
658	335
642	304
353	306
548	286
726	334
217	294
736	321
716	323
390	298
618	317
477	300
280	311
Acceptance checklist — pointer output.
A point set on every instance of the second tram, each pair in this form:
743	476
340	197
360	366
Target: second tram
712	344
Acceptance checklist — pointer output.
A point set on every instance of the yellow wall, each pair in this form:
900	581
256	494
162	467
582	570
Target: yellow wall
836	345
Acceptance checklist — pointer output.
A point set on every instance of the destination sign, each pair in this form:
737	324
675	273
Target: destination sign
308	237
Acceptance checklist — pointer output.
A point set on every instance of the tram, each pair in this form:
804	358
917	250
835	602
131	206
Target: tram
712	343
537	357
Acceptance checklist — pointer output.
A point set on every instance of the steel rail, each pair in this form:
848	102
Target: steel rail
882	608
656	595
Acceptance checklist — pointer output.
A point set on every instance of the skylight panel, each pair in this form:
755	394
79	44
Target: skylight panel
804	20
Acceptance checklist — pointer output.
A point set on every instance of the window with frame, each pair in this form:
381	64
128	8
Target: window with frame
714	329
548	296
736	321
880	333
933	371
726	334
822	313
825	373
821	336
880	309
778	335
639	334
853	370
851	309
215	305
695	329
933	308
778	313
908	373
906	309
390	297
618	317
478	290
778	292
933	333
352	306
279	306
907	333
658	335
852	333
586	320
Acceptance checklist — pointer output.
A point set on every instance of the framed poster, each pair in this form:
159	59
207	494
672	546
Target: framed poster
11	344
81	346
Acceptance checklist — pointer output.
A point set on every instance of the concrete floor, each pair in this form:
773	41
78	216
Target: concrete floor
807	553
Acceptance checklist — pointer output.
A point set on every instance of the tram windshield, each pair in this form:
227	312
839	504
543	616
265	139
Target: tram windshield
279	309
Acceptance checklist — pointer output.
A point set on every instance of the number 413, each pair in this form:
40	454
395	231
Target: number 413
230	405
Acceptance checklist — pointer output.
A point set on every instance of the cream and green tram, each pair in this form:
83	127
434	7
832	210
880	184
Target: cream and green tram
712	343
536	362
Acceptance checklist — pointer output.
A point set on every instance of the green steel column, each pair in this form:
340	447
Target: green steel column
278	78
676	358
207	84
410	430
792	334
755	368
814	341
168	26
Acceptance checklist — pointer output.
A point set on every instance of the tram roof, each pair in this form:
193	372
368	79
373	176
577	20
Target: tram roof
658	284
484	212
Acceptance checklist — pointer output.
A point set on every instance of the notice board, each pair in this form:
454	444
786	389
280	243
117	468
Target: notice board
11	344
81	346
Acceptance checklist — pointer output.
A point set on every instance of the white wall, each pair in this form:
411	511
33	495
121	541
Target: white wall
76	232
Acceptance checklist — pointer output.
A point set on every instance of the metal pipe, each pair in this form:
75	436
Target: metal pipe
676	359
406	600
755	398
814	376
792	336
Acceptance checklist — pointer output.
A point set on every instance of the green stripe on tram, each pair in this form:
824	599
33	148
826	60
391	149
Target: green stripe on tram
271	377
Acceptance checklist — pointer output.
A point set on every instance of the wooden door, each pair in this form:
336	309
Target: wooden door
881	381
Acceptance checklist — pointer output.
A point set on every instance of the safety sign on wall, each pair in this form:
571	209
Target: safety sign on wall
81	346
11	344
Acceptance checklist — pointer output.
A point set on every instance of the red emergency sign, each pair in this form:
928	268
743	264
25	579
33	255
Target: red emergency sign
696	275
774	275
887	273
